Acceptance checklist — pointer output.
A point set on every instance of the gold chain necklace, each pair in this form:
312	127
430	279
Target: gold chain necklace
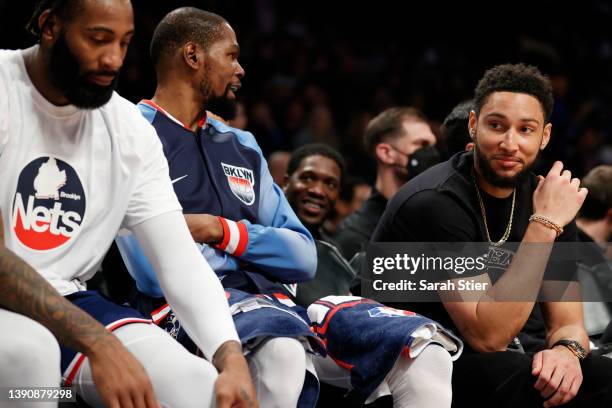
484	215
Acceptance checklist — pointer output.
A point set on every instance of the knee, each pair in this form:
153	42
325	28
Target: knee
194	376
284	352
278	368
200	373
35	345
31	351
424	381
432	369
280	359
191	371
437	361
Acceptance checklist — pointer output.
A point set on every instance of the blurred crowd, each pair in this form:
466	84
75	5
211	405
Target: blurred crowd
319	71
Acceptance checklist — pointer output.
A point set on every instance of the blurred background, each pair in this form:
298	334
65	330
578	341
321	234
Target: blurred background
320	70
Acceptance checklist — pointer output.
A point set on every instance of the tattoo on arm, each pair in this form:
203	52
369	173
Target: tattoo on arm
246	398
226	349
25	291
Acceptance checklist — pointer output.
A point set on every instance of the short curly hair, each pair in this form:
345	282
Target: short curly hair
65	9
317	149
181	26
519	78
389	125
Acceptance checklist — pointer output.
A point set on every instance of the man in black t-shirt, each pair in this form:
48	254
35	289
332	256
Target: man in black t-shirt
489	195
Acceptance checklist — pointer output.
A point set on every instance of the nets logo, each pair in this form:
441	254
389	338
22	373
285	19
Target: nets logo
49	204
383	311
241	182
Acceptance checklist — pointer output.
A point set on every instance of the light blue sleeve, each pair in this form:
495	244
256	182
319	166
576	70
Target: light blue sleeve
142	272
138	265
278	243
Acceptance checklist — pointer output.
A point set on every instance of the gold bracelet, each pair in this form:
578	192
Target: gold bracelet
547	222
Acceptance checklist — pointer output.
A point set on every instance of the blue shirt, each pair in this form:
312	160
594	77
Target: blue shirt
221	170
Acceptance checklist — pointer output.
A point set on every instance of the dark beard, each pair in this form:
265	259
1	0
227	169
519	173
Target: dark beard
221	105
67	76
492	178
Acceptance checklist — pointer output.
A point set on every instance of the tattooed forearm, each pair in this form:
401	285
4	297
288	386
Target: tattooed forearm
225	350
25	291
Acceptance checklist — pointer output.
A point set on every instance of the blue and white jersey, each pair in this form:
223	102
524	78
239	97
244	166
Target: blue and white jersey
221	170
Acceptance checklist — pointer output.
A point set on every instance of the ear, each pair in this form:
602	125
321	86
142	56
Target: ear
50	26
472	121
384	154
192	55
546	135
285	183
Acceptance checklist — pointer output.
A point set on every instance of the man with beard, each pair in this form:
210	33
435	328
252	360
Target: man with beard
312	183
247	231
313	190
491	196
240	219
392	138
78	162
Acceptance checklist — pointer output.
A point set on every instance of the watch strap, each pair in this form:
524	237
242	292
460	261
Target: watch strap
574	346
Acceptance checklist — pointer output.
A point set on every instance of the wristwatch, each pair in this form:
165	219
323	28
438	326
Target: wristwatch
574	347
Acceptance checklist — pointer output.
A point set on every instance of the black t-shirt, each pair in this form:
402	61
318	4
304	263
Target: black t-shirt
441	205
357	229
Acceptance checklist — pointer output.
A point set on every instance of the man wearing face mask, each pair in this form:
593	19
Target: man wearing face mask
392	138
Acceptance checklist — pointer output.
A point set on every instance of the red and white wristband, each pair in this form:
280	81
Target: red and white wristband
235	237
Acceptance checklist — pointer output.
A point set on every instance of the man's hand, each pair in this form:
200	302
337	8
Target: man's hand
234	387
558	196
559	375
205	228
119	377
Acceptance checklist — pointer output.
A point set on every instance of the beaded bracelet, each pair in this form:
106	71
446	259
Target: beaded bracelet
547	222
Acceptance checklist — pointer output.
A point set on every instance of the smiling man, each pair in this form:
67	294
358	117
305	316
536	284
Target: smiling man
315	176
378	366
78	162
491	196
